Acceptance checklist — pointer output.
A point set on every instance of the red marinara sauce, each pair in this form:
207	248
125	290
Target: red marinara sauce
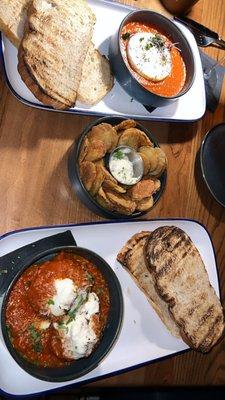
23	319
173	83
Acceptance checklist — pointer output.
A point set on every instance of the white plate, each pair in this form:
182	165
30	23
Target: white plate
143	336
109	14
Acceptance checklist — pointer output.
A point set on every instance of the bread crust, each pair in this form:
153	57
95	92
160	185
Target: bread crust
182	281
33	85
45	91
133	258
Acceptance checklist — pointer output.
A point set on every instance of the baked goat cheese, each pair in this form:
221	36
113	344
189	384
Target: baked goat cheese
66	293
78	334
149	56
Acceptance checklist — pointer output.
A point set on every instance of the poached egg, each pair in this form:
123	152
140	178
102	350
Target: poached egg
149	56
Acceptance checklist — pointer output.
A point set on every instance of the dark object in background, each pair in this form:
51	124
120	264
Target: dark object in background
178	6
212	157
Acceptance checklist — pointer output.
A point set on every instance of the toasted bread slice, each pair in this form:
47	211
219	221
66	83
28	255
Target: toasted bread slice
13	15
132	257
54	46
182	281
96	80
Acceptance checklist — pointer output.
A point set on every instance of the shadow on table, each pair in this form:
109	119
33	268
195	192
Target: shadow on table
136	393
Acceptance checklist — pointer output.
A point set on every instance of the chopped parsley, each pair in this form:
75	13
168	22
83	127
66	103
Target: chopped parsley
100	291
36	338
126	36
148	46
118	154
81	298
51	302
141	39
90	278
158	41
61	325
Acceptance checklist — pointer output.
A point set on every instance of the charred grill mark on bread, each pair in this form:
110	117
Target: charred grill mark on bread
133	258
182	281
53	30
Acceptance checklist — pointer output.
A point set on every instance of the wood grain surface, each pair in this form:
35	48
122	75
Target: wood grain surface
34	190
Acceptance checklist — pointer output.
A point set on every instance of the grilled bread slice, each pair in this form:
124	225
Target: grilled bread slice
53	48
13	15
96	80
133	259
182	281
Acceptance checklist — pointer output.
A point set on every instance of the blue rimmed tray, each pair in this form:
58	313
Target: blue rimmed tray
110	14
143	338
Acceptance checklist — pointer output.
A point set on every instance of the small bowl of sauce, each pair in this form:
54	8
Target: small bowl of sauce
126	165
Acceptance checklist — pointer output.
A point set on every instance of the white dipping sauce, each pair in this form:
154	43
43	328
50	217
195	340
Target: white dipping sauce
122	168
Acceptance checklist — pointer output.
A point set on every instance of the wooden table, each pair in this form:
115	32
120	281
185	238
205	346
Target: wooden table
35	191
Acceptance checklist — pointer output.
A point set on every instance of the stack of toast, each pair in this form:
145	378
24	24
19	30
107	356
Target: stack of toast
57	59
168	268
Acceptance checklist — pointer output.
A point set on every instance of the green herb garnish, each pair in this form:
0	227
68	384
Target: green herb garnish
148	46
36	338
62	326
81	298
90	278
158	41
51	302
141	39
100	291
118	154
126	36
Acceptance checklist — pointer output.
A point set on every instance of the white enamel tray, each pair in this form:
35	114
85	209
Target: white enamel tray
109	14
143	337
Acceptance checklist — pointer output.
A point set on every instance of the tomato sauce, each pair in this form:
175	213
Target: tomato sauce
173	83
24	307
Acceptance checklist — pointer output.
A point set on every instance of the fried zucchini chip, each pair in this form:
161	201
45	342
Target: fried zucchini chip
106	133
144	140
88	174
103	200
109	184
152	156
100	176
83	150
96	150
161	165
100	162
142	189
145	204
108	176
134	138
121	203
146	163
128	123
157	184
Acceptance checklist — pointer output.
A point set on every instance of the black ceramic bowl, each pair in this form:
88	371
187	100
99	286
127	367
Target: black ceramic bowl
213	162
75	179
125	77
110	334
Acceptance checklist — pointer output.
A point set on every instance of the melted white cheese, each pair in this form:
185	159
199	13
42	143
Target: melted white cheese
66	293
149	60
78	336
